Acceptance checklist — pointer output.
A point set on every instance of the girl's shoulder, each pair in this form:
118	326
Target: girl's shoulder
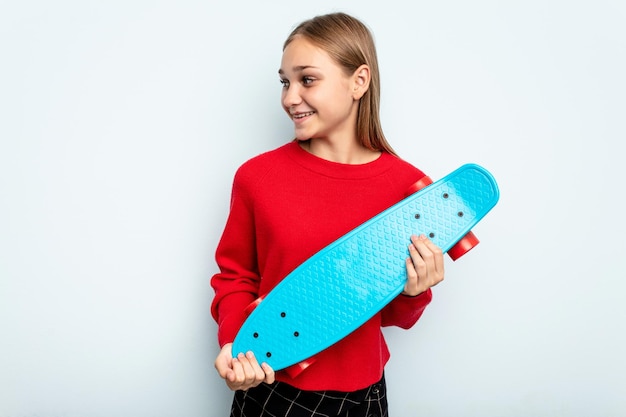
403	167
258	166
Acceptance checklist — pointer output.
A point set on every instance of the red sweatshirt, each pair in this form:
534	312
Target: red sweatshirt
286	205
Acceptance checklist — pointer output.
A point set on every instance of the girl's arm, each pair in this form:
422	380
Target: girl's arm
237	283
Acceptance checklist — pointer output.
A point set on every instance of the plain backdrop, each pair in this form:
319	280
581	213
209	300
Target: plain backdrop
123	122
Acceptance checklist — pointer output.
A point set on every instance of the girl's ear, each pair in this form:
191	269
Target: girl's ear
361	81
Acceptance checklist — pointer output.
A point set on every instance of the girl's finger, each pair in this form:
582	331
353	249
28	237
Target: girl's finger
259	375
424	250
437	254
238	373
269	373
248	371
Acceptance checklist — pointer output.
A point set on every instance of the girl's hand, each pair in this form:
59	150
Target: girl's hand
424	266
242	372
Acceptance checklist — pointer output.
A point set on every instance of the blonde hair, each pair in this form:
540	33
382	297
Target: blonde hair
350	43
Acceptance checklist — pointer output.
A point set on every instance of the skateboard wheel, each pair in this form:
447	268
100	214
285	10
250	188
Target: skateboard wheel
422	183
295	370
463	246
252	306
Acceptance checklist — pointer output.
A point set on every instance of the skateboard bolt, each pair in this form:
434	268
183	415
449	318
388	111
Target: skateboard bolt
255	335
417	216
431	234
296	334
268	354
446	195
283	314
460	213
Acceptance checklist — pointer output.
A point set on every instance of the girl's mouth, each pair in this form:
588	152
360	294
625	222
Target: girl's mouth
302	115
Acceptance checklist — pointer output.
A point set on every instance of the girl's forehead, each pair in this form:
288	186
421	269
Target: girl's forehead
302	47
303	53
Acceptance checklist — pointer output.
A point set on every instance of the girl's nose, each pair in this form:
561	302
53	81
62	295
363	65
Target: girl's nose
291	96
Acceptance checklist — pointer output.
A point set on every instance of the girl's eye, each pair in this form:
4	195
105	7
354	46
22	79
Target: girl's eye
307	80
285	83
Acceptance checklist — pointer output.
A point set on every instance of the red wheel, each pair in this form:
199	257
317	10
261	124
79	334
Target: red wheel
295	370
423	182
252	306
463	246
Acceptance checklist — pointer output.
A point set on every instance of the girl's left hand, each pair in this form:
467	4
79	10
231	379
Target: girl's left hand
243	371
424	266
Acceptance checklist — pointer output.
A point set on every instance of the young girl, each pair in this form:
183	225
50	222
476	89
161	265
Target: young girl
289	203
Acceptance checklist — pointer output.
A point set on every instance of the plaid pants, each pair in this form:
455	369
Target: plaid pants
283	400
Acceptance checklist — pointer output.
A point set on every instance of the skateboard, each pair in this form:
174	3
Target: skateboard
343	285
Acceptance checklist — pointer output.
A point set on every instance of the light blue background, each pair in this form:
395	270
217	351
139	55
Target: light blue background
122	124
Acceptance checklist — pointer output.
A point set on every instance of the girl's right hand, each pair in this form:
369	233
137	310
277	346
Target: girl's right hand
242	372
424	266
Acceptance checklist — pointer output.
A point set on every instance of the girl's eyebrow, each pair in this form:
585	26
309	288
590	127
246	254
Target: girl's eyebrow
298	68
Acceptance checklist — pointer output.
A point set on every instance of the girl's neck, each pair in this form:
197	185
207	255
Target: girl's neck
351	153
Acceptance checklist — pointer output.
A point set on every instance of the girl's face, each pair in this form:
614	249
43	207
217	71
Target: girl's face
317	94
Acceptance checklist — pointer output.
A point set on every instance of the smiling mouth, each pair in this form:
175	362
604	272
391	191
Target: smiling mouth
302	115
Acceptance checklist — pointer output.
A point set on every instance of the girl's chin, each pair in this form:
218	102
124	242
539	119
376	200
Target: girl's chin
301	135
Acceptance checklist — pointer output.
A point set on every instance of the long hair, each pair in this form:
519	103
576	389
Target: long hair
351	44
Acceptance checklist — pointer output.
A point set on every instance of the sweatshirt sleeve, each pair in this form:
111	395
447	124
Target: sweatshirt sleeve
236	284
405	311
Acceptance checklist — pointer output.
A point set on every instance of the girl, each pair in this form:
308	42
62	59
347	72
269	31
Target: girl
289	203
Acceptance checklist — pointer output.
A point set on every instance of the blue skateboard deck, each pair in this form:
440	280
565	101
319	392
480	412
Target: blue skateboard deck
342	286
